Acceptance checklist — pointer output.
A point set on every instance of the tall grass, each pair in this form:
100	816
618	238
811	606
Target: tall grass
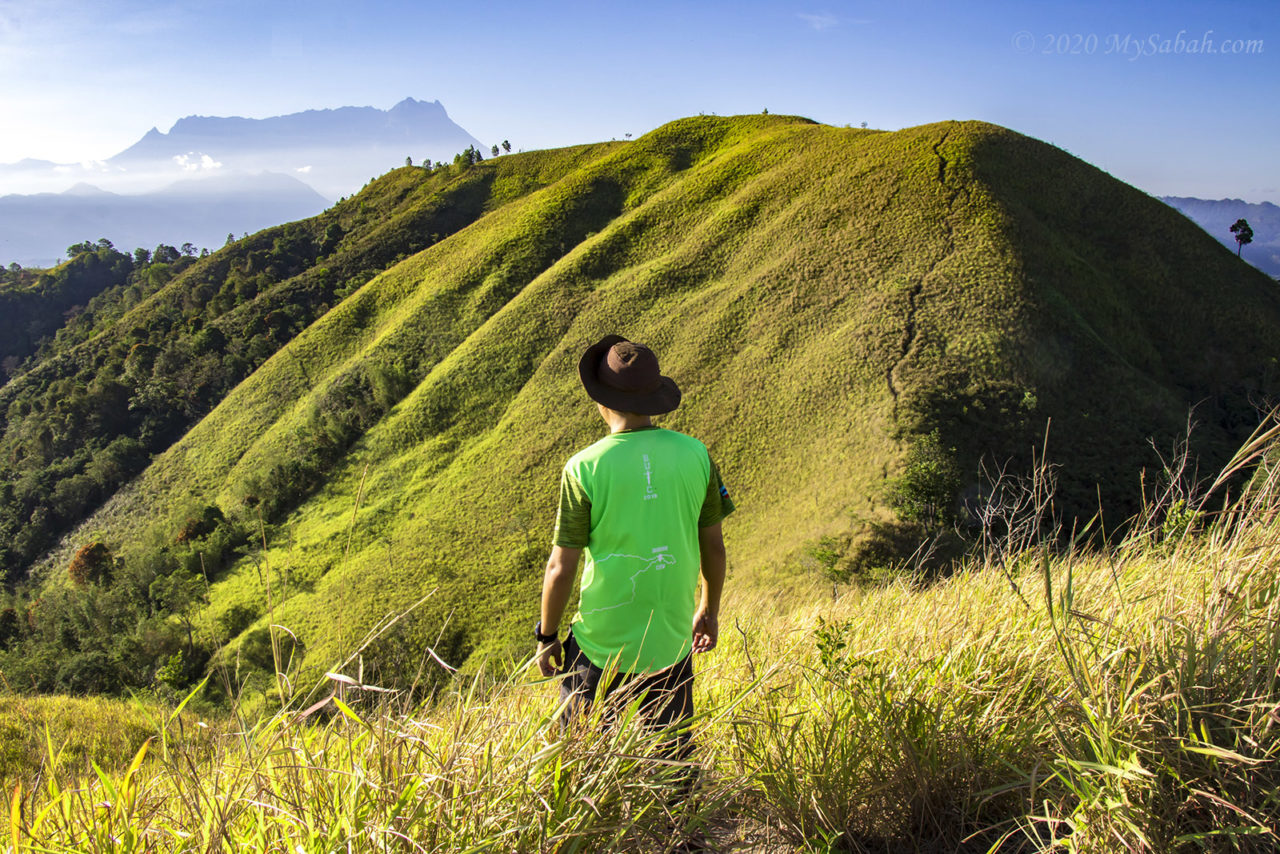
488	769
1112	700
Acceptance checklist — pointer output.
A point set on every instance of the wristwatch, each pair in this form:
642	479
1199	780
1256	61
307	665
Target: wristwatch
540	637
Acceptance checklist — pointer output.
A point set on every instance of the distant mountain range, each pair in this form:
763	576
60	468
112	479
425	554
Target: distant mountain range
269	171
334	151
1216	217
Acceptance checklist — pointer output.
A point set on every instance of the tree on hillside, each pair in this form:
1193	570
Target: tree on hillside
165	254
408	161
469	157
493	150
926	490
506	146
1243	233
92	564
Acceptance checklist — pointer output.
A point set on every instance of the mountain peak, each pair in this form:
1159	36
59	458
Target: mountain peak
339	148
414	103
83	188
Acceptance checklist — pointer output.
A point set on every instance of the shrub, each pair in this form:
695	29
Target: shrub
10	625
92	564
194	528
926	490
876	551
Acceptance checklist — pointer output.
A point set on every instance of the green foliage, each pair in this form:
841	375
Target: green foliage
1179	520
875	552
124	623
926	491
826	551
1243	233
35	304
831	638
470	157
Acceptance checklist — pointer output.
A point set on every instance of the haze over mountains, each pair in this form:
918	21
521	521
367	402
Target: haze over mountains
259	172
36	230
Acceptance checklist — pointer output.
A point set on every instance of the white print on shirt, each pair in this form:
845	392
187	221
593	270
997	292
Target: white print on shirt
659	561
648	480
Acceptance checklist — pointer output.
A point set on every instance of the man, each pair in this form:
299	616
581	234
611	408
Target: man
645	504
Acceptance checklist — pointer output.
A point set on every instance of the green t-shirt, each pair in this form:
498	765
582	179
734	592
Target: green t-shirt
635	501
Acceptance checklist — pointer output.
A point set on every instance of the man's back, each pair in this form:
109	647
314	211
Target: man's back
636	498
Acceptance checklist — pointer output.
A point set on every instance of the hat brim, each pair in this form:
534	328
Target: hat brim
664	398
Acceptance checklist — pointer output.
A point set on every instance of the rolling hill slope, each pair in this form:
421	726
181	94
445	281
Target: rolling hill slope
824	296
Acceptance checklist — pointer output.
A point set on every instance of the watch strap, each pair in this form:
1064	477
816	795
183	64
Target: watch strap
540	637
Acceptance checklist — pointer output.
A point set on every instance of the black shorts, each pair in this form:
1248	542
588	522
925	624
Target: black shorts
667	695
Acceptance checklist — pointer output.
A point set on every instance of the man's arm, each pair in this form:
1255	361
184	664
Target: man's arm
557	587
706	622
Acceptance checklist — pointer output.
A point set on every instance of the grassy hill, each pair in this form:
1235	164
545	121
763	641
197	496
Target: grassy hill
826	297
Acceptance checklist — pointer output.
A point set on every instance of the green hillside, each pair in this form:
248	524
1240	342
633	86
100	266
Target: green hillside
825	296
109	392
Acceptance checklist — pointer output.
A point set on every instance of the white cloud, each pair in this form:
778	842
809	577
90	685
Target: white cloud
305	170
824	21
190	162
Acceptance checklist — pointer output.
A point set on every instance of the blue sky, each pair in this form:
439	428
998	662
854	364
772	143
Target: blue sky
82	80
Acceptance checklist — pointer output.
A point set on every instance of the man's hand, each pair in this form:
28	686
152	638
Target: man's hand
550	658
706	631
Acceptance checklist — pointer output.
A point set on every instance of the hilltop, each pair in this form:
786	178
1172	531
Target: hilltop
827	297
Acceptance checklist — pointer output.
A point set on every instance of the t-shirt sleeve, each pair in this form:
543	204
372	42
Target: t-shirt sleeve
573	518
717	504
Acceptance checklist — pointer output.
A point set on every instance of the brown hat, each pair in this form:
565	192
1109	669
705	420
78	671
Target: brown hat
624	376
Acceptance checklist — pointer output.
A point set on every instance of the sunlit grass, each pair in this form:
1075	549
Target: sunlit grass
1106	700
